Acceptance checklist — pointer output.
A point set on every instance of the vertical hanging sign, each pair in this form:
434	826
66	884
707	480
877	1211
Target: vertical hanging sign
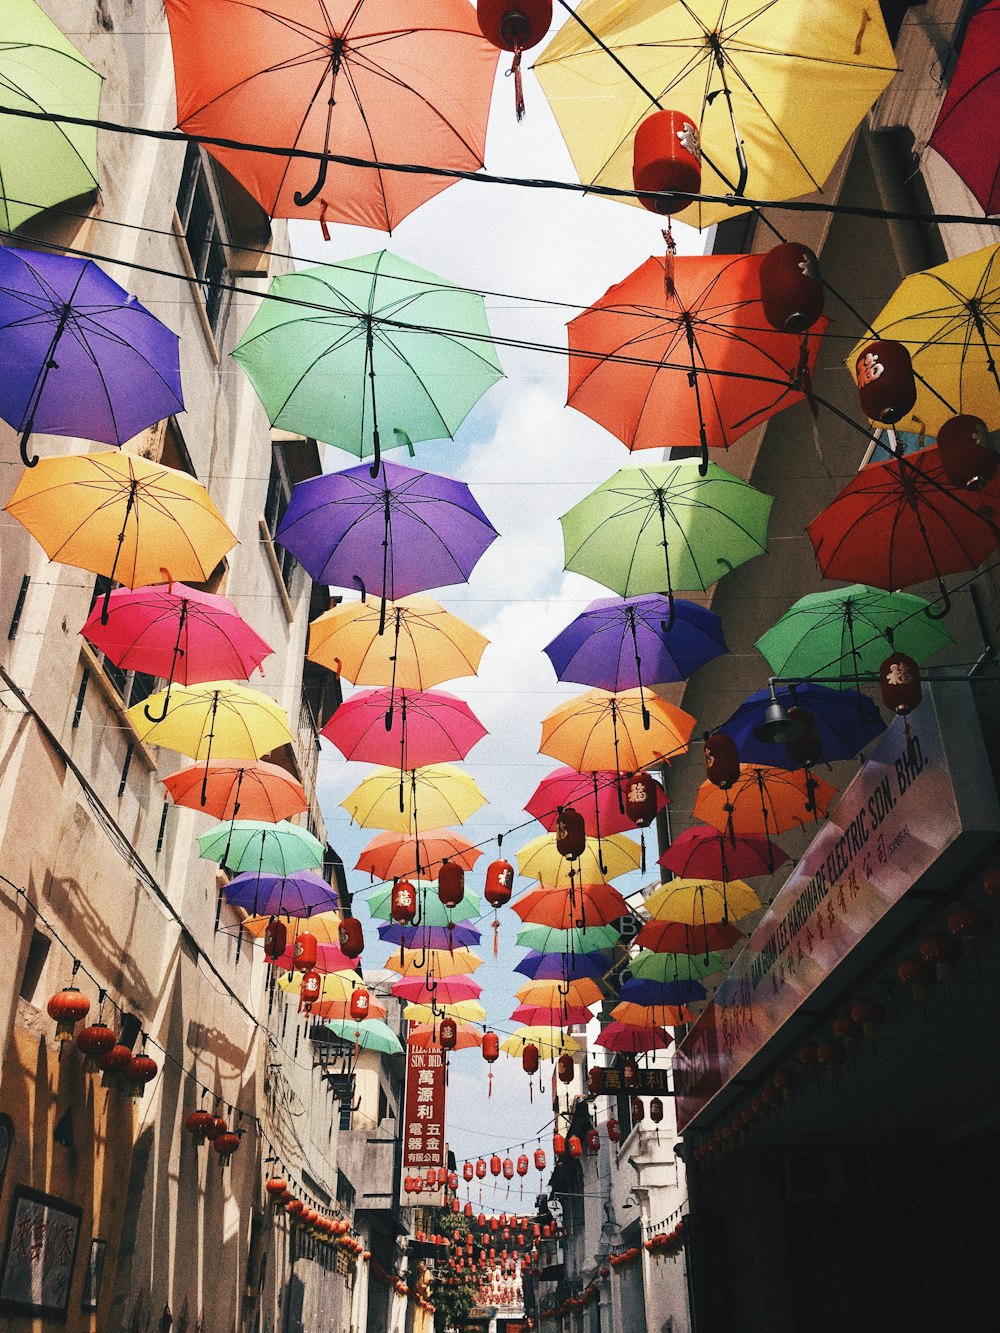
423	1144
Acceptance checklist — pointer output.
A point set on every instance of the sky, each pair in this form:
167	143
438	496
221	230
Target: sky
527	458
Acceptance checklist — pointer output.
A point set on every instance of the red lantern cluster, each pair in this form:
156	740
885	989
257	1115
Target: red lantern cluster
94	1042
667	1244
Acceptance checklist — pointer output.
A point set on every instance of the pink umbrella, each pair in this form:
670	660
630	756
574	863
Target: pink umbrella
426	990
404	728
328	959
539	1016
625	1037
177	633
594	795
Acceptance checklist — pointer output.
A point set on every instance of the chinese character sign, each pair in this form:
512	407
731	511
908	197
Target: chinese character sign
423	1125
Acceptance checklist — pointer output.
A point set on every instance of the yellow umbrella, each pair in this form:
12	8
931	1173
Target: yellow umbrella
651	1015
540	859
325	926
197	720
433	962
423	644
551	1042
467	1011
554	994
948	317
120	515
438	794
334	985
696	902
800	80
603	732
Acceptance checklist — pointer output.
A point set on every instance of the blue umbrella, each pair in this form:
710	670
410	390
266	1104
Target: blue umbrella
846	721
300	894
563	966
661	992
430	937
628	643
78	354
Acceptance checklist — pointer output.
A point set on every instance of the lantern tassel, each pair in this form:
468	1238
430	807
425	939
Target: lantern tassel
489	1091
668	263
515	69
803	379
642	851
496	937
322	222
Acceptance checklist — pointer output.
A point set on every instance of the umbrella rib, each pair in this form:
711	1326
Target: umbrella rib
63	131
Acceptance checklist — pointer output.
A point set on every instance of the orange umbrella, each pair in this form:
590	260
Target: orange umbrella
569	909
342	1009
367	79
229	789
552	994
651	1015
325	927
433	962
396	855
428	1034
602	731
765	800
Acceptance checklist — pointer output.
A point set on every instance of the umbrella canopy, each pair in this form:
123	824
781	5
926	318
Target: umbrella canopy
704	852
900	522
628	1038
595	796
329	957
444	990
438	963
661	992
44	163
624	732
625	644
665	527
425	645
849	631
972	102
550	1042
371	1034
844	720
397	855
324	928
462	1011
298	894
78	354
546	939
119	515
373	346
431	911
429	937
765	800
362	78
563	967
440	793
196	720
650	1015
565	909
583	991
333	985
648	965
278	849
399	533
701	937
428	1034
409	727
776	98
693	902
948	317
540	859
255	790
540	1015
687	359
341	1009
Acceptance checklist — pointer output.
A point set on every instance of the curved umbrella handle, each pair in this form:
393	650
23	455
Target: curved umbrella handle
152	717
303	200
703	461
932	614
356	578
26	459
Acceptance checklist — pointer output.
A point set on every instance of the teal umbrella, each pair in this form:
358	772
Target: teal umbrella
431	911
546	939
663	967
849	631
371	1034
369	350
245	845
42	162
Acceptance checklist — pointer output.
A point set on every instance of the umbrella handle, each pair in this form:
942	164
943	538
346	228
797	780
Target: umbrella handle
932	613
32	460
303	200
356	578
154	718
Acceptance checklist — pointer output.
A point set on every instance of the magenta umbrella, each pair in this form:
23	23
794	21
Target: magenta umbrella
593	795
626	1037
424	727
703	852
175	632
542	1016
329	958
449	990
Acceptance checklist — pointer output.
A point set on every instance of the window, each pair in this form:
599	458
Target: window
343	1090
38	951
279	490
200	221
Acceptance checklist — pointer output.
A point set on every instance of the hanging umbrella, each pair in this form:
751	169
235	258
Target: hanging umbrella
79	355
701	937
329	957
398	855
255	790
630	1039
623	732
540	859
948	318
649	965
765	800
776	98
399	534
595	796
446	990
430	937
565	909
333	986
119	515
293	894
704	852
431	911
277	849
684	355
371	1034
437	963
372	346
177	633
324	928
325	1010
694	902
44	163
583	991
439	793
971	103
899	522
411	728
563	967
650	1015
844	720
661	992
550	1042
665	527
427	1035
462	1011
369	80
546	939
540	1015
848	631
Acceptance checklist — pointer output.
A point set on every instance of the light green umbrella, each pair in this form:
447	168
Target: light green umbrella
373	348
243	845
43	163
546	939
846	631
431	911
665	528
652	966
371	1034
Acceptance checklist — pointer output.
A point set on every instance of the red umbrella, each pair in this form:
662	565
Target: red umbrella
965	131
447	990
598	797
572	909
397	855
231	788
404	728
626	1037
675	937
539	1016
703	852
900	522
370	79
689	362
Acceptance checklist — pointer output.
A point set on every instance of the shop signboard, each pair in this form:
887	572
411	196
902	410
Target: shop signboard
424	1141
890	825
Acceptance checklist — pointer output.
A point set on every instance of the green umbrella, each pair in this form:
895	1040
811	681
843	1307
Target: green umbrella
546	939
243	845
43	163
665	528
373	346
652	966
431	911
369	1033
846	631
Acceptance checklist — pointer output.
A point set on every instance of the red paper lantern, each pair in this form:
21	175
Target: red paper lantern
351	937
869	1014
574	1146
310	989
499	883
139	1071
630	1072
638	1110
219	1126
522	1165
226	1144
200	1124
564	1069
571	833
641	803
941	952
360	1003
722	760
614	1131
831	1053
304	952
539	1159
467	1171
899	680
275	939
403	903
846	1028
656	1110
785	1081
495	1165
275	1188
807	747
790	289
451	884
666	155
558	1145
965	456
508	1169
467	1210
481	1169
595	1080
514	25
68	1007
94	1042
529	1058
968	923
886	385
593	1141
809	1053
448	1034
491	1047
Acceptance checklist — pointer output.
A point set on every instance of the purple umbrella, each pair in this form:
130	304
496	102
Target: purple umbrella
78	354
563	966
404	531
429	937
300	894
626	643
